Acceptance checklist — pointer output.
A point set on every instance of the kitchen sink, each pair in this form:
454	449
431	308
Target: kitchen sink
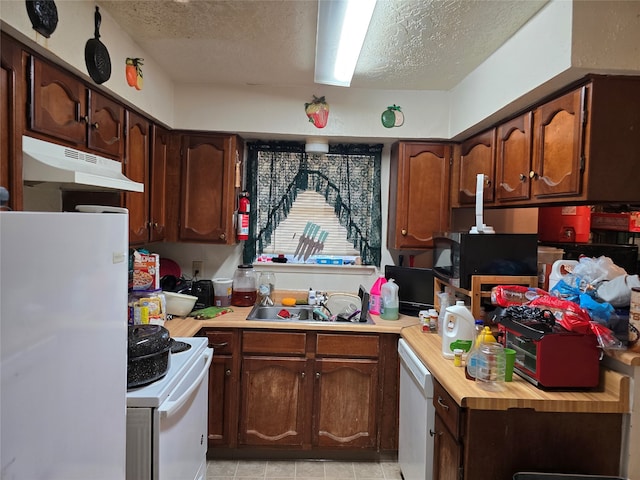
297	314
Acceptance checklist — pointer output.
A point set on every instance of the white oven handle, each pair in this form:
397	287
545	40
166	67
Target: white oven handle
169	407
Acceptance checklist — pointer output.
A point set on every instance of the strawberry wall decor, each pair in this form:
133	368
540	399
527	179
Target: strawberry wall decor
392	117
317	111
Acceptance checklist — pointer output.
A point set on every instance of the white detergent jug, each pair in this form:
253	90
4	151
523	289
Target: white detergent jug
458	325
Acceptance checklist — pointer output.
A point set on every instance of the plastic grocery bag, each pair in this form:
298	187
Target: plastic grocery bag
574	318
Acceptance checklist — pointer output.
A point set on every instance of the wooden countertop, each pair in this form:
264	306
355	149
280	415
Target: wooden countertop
188	327
611	397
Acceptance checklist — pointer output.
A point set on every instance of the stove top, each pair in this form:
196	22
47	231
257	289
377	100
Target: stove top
152	395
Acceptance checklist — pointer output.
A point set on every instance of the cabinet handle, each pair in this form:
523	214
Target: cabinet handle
533	175
302	375
433	434
227	372
487	182
95	125
404	232
154	224
219	345
523	177
317	375
442	404
223	236
84	118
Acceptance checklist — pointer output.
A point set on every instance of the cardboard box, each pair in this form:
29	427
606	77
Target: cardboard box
621	222
146	271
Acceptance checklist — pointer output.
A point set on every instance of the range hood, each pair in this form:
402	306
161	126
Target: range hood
49	163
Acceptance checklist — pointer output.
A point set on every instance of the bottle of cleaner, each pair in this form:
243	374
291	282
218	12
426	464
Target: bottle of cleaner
389	303
458	326
375	294
472	356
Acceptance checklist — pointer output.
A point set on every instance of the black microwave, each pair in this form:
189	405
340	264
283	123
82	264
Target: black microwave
457	256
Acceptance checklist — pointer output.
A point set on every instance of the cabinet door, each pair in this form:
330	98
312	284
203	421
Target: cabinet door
207	189
345	409
58	103
447	455
273	401
513	159
224	374
106	124
558	146
418	193
12	93
477	155
137	169
158	185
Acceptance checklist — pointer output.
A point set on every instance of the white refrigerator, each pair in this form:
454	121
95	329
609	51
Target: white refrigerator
63	355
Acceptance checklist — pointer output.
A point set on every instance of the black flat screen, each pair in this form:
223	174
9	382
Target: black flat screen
415	288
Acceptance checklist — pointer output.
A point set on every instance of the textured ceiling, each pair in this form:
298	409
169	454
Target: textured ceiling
411	44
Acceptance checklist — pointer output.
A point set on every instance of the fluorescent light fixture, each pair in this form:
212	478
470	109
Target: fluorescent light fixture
342	26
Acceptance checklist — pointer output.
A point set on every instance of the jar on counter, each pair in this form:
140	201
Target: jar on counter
147	307
244	292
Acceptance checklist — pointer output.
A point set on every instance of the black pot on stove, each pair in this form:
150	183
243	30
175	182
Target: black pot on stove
148	354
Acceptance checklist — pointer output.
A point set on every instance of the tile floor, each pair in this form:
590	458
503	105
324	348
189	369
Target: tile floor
301	470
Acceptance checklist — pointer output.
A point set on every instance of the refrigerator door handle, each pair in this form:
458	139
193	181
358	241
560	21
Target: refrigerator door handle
169	407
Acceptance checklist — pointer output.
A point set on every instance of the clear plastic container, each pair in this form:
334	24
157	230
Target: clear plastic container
491	364
244	293
389	302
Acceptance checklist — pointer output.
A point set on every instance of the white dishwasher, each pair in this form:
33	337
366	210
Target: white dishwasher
417	416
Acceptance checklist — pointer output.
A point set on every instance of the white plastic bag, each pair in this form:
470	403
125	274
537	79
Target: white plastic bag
617	292
596	270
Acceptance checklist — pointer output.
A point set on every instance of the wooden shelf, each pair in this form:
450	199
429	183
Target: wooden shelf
481	288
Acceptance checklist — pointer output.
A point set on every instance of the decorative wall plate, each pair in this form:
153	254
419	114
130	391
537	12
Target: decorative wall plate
43	15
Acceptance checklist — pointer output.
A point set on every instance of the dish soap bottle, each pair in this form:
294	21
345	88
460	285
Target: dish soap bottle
389	303
375	295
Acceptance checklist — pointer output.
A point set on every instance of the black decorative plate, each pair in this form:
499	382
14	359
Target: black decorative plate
43	15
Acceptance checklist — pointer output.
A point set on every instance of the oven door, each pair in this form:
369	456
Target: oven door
170	442
181	449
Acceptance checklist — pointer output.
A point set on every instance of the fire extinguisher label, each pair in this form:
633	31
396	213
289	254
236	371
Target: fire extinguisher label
243	226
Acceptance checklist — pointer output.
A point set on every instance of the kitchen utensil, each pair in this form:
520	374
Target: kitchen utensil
43	15
341	303
179	304
148	352
96	56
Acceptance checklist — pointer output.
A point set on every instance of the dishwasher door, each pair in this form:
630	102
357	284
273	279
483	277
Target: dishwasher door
417	416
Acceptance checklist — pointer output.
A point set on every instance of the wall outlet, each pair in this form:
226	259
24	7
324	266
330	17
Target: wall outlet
196	268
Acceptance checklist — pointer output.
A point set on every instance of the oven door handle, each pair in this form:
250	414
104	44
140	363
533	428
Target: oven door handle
169	407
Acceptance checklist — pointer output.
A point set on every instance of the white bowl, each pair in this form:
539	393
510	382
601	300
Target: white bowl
179	304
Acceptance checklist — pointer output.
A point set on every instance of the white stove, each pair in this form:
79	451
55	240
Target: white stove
167	419
153	394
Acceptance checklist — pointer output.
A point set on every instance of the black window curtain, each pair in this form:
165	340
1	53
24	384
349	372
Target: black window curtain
348	177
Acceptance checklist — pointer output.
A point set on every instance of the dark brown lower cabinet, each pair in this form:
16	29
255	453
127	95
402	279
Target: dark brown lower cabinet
302	391
496	444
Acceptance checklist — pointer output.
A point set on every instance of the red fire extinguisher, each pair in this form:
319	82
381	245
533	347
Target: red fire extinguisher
243	216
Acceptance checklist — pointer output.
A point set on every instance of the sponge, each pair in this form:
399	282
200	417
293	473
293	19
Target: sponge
288	302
